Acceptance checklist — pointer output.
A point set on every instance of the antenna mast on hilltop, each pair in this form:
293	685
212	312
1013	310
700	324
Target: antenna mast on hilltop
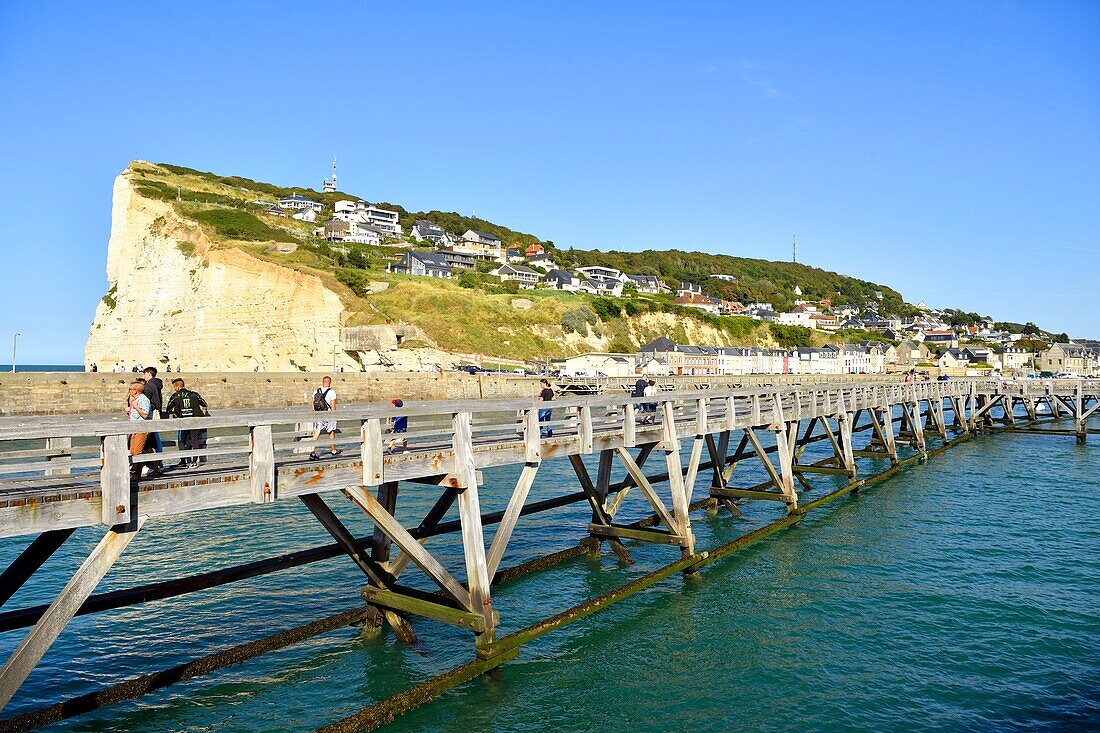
330	186
794	248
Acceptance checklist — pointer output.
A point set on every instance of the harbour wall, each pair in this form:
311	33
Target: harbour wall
67	393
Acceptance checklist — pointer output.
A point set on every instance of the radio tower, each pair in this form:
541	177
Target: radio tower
794	248
330	186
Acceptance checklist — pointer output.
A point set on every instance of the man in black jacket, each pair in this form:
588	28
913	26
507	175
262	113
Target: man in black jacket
153	390
188	403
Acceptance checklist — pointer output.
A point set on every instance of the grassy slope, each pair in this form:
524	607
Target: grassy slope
455	318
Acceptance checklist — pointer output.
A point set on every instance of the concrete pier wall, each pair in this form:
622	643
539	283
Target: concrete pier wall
53	393
63	393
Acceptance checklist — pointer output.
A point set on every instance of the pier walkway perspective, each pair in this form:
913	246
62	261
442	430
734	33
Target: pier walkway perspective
61	473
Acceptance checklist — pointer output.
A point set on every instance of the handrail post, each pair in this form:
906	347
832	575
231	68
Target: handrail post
261	464
114	481
372	451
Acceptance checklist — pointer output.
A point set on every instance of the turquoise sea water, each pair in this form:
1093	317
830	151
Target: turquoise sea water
962	594
5	368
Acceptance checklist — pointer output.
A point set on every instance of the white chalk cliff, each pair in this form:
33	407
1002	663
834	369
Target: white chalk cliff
175	297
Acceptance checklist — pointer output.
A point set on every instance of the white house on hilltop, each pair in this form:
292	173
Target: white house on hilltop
296	202
483	238
424	230
361	212
525	276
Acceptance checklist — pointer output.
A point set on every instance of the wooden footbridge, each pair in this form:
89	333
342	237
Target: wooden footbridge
58	474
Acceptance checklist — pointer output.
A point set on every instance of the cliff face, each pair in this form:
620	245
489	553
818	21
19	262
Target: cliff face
176	298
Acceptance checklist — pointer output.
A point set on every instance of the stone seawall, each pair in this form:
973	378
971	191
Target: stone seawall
67	393
53	393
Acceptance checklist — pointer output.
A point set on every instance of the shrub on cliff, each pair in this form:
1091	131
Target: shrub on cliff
620	346
234	224
606	308
357	281
578	320
790	337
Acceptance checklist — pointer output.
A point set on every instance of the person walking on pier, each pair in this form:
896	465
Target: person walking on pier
639	389
188	403
398	424
649	408
324	400
546	394
139	408
154	390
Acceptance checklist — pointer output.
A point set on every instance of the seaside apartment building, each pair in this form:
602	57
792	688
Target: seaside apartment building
361	212
1074	358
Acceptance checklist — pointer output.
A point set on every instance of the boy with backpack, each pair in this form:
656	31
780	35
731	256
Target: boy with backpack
324	400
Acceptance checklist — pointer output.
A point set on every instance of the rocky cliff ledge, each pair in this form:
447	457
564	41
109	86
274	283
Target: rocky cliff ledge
176	297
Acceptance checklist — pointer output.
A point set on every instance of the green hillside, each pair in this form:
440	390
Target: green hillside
474	311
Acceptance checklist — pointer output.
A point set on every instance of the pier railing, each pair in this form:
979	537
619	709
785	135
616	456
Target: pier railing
259	456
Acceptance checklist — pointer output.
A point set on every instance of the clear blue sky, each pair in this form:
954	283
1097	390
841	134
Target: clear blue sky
951	150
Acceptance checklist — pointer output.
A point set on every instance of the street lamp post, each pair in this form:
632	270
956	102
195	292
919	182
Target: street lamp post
14	340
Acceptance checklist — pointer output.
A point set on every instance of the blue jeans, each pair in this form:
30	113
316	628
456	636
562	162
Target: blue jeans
544	416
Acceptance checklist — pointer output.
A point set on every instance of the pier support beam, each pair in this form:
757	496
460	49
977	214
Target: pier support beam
36	553
44	633
679	490
370	565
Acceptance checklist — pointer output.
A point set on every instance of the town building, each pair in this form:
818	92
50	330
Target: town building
944	338
702	302
363	234
596	272
650	284
423	264
1072	358
482	238
525	276
458	260
560	280
544	261
361	212
687	289
425	231
795	318
601	364
605	288
1011	358
296	202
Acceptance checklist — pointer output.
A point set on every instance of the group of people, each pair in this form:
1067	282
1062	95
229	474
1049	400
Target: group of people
644	387
144	401
136	368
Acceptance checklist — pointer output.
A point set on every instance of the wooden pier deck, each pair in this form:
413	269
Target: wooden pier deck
60	473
